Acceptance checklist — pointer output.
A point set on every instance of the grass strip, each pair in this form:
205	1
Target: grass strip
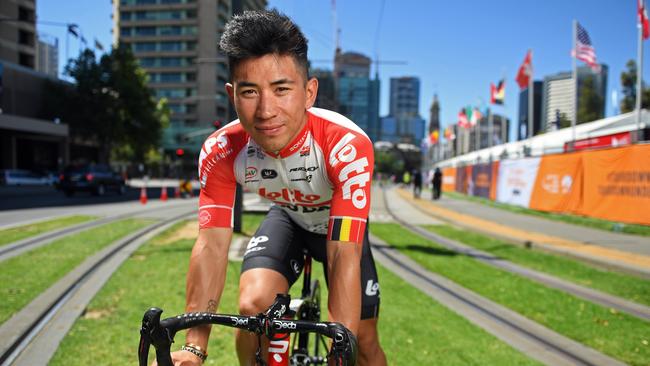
618	284
108	332
617	334
595	223
24	277
25	231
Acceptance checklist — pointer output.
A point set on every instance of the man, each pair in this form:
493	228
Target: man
437	183
417	183
316	165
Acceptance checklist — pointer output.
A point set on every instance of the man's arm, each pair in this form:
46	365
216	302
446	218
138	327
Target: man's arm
344	274
206	278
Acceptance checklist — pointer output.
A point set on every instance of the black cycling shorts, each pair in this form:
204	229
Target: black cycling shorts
280	244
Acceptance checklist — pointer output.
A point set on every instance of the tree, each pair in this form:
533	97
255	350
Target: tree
591	104
628	89
110	105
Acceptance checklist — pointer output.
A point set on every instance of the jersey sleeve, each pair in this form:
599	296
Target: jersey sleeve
218	183
350	166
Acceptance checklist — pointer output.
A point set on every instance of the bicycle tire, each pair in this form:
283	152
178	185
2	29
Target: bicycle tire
310	348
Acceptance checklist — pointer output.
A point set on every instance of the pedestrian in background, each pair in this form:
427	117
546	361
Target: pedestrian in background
437	183
417	183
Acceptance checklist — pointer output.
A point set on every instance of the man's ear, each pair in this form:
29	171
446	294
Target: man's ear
312	92
230	89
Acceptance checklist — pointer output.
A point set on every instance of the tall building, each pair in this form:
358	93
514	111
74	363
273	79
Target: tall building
47	55
326	97
500	128
434	115
404	106
558	96
176	42
357	96
18	38
522	131
27	139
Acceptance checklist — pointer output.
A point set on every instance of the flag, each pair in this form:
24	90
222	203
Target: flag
584	50
498	93
525	71
462	119
98	45
475	118
73	29
433	138
449	134
644	23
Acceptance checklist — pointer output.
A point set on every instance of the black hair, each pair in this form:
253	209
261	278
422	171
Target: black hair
254	34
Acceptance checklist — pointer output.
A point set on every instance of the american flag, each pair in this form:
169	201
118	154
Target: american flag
584	50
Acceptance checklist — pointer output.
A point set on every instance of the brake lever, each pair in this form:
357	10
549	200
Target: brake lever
152	333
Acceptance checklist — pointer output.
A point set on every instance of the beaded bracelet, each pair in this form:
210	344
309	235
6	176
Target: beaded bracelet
196	350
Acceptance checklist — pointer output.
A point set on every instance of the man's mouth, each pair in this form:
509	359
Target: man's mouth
269	130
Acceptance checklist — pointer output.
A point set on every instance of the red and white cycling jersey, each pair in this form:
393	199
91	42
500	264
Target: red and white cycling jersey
321	178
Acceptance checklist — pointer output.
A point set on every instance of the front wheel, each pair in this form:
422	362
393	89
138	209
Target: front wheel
310	348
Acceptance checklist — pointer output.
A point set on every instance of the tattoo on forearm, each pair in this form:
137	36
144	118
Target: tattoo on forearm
212	306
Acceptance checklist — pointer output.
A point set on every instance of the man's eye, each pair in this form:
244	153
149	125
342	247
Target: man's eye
282	89
248	92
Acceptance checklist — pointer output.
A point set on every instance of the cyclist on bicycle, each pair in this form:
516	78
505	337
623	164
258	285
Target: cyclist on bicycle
316	165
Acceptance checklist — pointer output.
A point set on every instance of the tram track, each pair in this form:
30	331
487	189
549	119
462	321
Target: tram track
529	337
585	293
14	249
31	336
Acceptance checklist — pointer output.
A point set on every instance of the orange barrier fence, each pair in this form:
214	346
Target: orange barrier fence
617	184
558	186
612	184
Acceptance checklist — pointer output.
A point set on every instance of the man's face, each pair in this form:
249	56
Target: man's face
271	97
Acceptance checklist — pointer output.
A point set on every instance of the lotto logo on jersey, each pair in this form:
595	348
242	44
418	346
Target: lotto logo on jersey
289	196
353	184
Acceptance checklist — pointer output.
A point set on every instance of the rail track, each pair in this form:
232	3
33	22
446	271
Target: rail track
32	335
529	337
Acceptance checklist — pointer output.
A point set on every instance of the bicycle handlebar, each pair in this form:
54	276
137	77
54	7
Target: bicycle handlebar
160	333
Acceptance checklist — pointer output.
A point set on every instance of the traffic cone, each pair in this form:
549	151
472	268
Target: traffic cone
143	195
163	194
177	192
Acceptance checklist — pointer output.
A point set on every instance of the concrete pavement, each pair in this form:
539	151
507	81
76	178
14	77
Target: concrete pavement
625	252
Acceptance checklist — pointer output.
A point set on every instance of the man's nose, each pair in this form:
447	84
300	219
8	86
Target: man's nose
266	107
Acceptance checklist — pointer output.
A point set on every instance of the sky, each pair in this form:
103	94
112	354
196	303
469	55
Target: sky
456	48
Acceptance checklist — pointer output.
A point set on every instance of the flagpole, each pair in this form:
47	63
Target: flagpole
574	121
639	77
530	98
490	128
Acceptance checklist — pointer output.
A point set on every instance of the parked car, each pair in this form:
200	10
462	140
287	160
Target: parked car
94	178
21	177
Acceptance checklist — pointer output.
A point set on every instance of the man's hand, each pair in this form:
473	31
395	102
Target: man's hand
183	358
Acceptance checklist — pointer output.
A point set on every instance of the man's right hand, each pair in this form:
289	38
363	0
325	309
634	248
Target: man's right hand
183	358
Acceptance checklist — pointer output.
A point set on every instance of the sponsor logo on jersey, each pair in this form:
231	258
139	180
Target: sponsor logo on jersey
250	151
204	217
372	288
295	266
289	196
251	172
305	151
303	169
306	178
306	209
269	174
223	149
344	152
298	143
253	244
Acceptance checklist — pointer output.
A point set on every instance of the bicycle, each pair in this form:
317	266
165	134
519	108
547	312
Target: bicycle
275	323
